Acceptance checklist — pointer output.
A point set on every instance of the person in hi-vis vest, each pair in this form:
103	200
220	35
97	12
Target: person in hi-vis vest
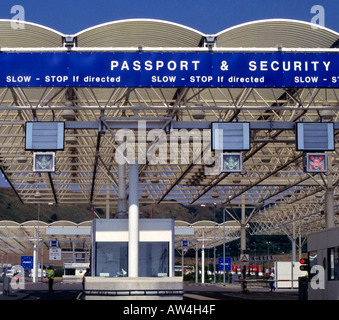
50	279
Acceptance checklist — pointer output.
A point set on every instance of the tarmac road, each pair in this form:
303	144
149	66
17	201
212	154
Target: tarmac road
65	290
233	292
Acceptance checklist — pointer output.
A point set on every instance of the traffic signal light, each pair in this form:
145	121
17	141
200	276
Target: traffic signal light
316	162
44	161
231	162
304	264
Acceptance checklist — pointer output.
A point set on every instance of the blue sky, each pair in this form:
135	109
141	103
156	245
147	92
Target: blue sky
72	16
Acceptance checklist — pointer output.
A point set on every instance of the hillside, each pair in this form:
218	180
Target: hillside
12	209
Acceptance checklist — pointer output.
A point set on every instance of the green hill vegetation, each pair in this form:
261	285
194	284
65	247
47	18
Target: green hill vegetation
12	209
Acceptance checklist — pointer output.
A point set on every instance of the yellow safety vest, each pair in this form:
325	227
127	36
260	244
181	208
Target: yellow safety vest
51	274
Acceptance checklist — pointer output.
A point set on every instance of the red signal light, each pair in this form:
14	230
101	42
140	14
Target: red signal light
316	162
304	266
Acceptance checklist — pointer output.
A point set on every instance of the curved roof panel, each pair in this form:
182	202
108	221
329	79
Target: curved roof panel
63	223
33	223
29	36
8	223
158	33
139	32
277	32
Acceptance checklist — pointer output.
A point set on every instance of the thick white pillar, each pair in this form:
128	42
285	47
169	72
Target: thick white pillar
133	222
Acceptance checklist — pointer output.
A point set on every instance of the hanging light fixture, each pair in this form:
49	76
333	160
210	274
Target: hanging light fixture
199	114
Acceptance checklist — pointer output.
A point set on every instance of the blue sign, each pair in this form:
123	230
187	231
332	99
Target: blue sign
169	69
185	243
54	243
27	262
227	266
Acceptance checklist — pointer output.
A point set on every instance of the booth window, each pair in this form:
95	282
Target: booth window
153	259
333	263
112	259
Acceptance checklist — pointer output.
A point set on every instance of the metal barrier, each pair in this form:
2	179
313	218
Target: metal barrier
265	280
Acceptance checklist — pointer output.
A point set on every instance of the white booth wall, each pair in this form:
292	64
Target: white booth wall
110	248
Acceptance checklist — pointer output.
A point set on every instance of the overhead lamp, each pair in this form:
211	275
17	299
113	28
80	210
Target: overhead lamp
71	140
200	113
155	178
37	194
31	178
266	160
22	159
326	114
68	114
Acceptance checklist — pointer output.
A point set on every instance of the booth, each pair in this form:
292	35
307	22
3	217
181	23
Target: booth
109	261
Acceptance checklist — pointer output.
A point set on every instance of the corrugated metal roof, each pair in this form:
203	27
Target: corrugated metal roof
277	32
140	32
158	33
30	36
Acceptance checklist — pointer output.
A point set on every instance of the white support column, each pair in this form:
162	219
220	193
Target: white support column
203	262
243	225
107	202
122	191
36	252
196	264
329	197
293	254
133	221
299	243
35	264
329	208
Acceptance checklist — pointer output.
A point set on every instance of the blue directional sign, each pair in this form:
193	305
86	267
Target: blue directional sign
54	243
169	69
185	243
27	262
228	264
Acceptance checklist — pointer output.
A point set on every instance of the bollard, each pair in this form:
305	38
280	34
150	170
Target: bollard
303	288
5	288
